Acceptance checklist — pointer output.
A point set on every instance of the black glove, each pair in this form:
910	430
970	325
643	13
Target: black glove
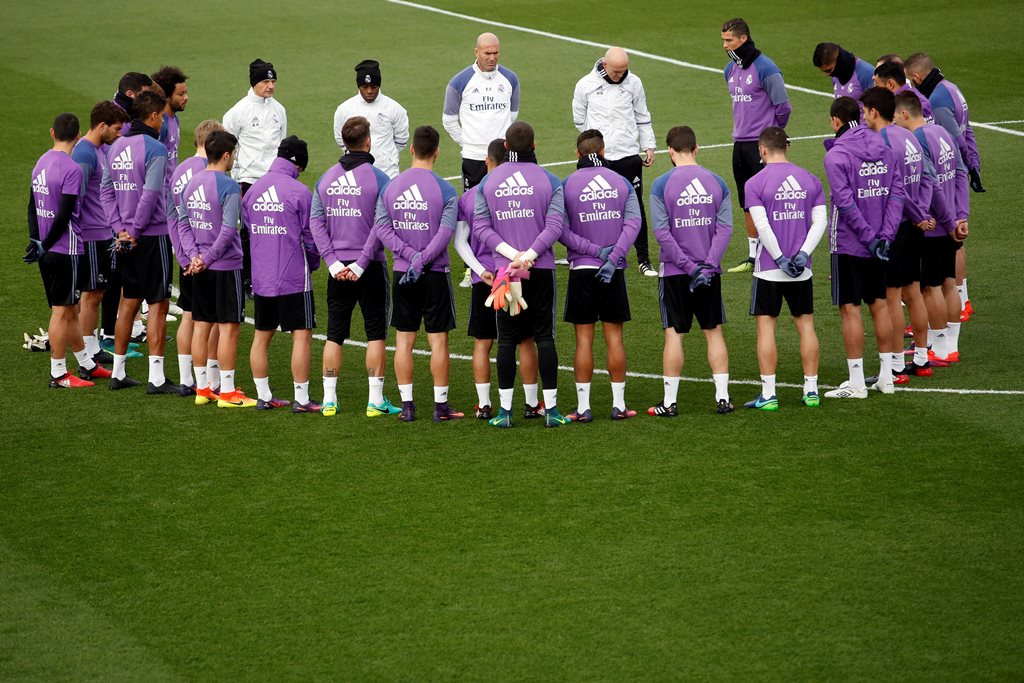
976	180
34	251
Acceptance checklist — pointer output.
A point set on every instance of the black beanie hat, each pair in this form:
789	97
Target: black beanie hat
294	150
261	71
368	72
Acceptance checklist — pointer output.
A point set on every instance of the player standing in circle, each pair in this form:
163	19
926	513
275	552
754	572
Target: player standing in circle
389	122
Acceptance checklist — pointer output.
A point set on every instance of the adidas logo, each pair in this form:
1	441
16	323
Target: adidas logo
39	183
344	184
198	200
123	161
695	193
945	151
598	188
411	200
790	189
514	186
911	155
182	183
870	168
268	201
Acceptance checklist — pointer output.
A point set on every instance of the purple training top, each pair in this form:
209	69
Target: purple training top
54	176
177	214
416	213
951	112
342	214
212	201
170	135
759	98
787	193
93	217
691	214
484	255
601	209
918	172
950	198
133	185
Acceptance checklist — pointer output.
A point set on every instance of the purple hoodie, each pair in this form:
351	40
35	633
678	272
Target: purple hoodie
416	213
212	202
918	172
342	215
691	214
601	209
866	190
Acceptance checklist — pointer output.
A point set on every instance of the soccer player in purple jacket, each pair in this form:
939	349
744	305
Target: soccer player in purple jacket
692	219
276	209
759	100
602	219
133	191
212	242
344	208
950	208
416	215
519	215
890	75
788	206
172	80
850	74
105	122
866	191
903	270
55	241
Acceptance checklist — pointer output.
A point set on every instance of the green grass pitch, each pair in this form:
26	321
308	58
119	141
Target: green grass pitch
146	539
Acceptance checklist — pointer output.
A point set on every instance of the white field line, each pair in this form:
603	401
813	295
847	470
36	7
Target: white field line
998	129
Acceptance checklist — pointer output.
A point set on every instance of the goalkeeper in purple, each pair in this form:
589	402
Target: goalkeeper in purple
519	215
691	210
416	216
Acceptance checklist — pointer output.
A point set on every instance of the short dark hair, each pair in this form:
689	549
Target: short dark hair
891	57
496	150
681	139
893	70
825	53
425	141
218	143
355	132
168	78
738	27
65	127
590	141
146	103
134	81
107	112
519	137
845	109
909	102
919	62
881	100
773	139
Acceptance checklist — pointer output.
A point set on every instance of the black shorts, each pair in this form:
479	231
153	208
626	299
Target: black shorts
218	297
679	305
857	279
938	260
186	287
429	301
746	163
588	300
147	270
60	278
287	311
538	320
94	266
483	323
904	265
766	297
372	292
473	172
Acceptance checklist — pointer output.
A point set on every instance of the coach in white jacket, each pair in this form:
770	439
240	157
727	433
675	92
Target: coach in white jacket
611	99
260	124
389	122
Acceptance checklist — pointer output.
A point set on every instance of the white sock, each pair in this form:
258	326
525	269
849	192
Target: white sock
376	390
582	397
671	390
531	394
932	334
920	356
185	368
118	370
898	362
92	344
550	398
483	394
962	291
768	386
941	345
58	367
85	360
440	394
144	309
302	393
856	366
227	381
953	337
884	368
213	368
156	370
263	388
137	328
721	386
810	384
619	395
405	392
202	377
505	397
751	247
330	389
